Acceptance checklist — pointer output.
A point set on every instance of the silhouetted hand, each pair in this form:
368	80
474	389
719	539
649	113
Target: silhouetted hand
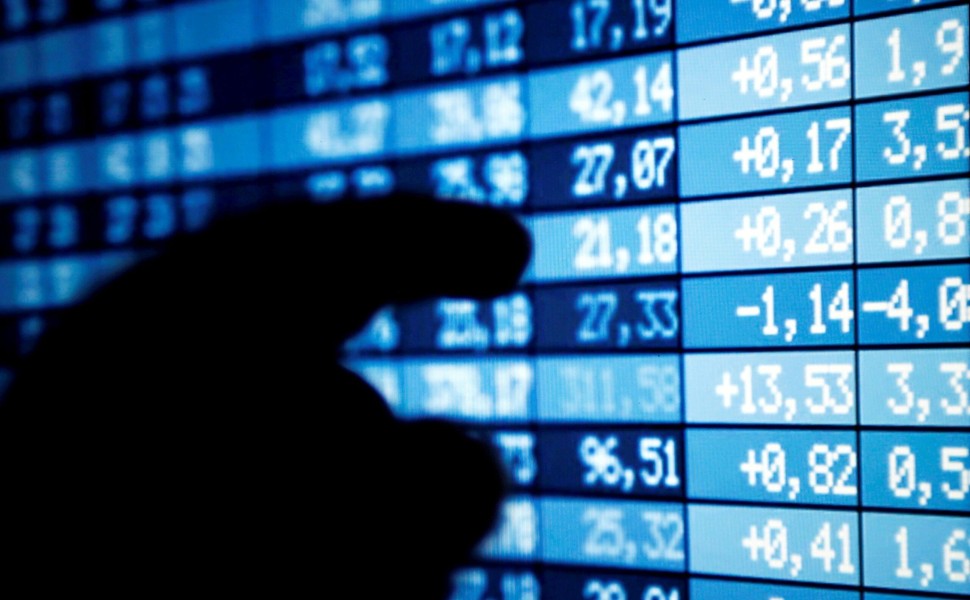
188	428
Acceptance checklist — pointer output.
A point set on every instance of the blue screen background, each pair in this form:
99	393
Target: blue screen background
738	364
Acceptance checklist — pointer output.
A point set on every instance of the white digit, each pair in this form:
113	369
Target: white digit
594	161
961	403
896	72
952	461
952	210
948	118
902	371
897	218
956	563
950	40
954	296
595	247
899	118
590	98
902	472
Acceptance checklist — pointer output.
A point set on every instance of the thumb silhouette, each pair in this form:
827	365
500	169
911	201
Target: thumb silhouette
189	426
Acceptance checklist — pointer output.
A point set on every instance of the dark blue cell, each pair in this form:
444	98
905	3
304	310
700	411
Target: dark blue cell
573	585
464	45
462	325
624	168
593	28
624	316
622	463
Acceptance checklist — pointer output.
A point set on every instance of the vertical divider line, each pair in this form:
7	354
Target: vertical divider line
858	309
675	75
536	565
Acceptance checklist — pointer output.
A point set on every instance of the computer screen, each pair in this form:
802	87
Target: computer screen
737	365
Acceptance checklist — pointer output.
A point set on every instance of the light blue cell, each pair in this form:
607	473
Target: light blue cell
781	467
603	96
911	52
159	156
774	543
916	388
22	286
918	471
917	137
61	54
917	221
764	232
792	309
640	535
154	33
20	175
641	389
38	285
68	168
333	133
69	280
716	589
304	18
18	64
777	71
118	162
710	19
605	244
108	44
492	390
204	28
765	153
515	536
865	7
778	388
914	305
221	148
916	552
486	112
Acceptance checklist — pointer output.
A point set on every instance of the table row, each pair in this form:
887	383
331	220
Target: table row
897	388
910	53
912	471
912	305
910	222
895	139
892	551
482	41
884	224
909	305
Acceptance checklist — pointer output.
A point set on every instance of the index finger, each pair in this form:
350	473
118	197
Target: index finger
326	269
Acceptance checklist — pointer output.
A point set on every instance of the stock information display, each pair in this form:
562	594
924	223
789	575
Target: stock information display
738	366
